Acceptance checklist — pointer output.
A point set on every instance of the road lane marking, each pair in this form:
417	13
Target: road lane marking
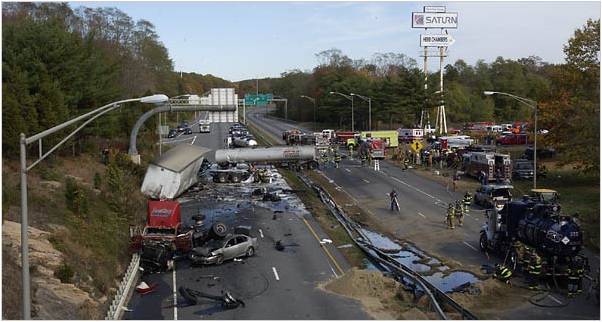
402	182
333	272
193	140
275	273
346	169
555	299
175	293
261	233
423	216
324	247
472	247
366	181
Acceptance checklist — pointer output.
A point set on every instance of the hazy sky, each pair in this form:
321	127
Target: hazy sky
241	40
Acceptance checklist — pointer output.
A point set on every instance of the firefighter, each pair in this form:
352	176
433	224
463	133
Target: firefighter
502	273
324	159
534	270
524	260
337	159
573	278
459	213
517	247
467	201
406	162
450	216
581	266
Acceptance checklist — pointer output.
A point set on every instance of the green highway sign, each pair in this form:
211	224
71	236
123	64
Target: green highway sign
258	99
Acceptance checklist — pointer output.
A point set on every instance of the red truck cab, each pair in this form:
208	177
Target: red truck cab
164	223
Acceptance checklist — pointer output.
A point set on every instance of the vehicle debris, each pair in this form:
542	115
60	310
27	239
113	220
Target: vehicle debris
227	300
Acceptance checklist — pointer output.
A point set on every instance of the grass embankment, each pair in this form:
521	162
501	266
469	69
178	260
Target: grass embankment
312	202
87	207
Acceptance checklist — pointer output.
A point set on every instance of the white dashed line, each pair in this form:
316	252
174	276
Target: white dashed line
555	299
175	294
423	216
261	233
366	181
347	170
472	247
275	273
192	143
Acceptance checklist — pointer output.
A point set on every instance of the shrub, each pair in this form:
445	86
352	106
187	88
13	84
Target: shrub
64	273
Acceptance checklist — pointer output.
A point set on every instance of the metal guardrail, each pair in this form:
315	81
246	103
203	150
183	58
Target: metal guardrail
125	287
436	296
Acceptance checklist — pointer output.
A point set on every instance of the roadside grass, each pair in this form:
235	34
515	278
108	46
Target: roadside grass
327	222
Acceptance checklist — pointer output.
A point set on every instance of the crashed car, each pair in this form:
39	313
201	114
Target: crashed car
216	251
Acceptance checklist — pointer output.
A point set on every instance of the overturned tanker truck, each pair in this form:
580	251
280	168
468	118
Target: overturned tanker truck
232	164
537	222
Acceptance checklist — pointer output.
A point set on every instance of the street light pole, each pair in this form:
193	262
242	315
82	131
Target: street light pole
313	100
24	169
533	104
369	100
349	97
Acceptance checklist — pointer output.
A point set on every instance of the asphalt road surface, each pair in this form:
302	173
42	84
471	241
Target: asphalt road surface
273	284
421	220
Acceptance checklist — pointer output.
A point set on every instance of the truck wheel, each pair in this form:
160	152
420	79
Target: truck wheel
483	242
222	177
312	165
219	229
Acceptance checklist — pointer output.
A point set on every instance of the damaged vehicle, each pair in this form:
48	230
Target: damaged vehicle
493	196
217	251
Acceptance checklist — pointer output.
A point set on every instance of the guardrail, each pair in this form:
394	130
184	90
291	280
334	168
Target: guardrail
125	288
353	230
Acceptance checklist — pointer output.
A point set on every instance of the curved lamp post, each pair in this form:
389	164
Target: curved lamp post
369	100
313	100
532	104
24	141
349	97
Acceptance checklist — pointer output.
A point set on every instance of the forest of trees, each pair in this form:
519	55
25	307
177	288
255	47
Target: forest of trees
58	62
568	94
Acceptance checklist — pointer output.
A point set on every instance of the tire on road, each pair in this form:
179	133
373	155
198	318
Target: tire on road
234	178
250	252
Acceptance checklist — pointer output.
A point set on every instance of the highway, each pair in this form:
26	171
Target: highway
273	284
421	221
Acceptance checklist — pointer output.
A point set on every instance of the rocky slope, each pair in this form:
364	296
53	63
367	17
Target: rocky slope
51	299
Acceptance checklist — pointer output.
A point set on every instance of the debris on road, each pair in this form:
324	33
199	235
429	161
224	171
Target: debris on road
227	300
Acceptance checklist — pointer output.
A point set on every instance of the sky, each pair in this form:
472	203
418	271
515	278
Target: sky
244	40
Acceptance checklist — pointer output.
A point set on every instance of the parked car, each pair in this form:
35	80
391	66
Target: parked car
187	130
172	133
522	169
542	153
493	196
217	251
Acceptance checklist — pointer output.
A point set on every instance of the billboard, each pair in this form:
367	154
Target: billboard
436	40
445	20
434	9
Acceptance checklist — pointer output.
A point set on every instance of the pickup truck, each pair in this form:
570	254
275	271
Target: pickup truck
512	139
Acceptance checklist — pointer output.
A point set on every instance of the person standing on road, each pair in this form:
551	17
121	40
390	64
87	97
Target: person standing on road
573	278
534	270
467	200
337	159
450	216
324	159
394	202
459	213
